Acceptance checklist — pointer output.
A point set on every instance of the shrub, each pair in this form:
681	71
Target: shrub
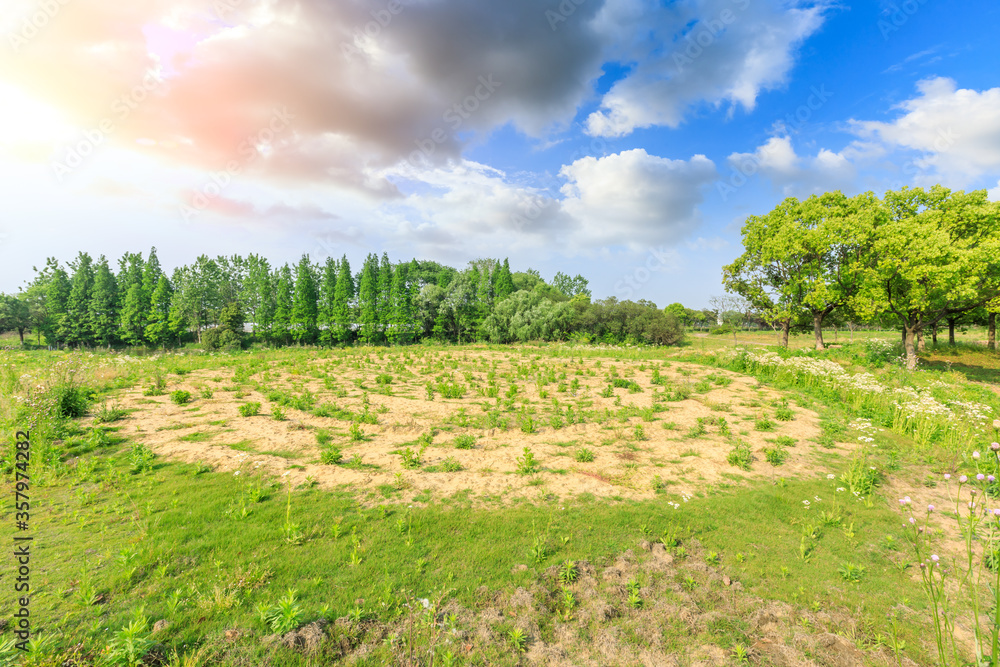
721	330
71	401
180	397
277	413
141	457
250	409
583	455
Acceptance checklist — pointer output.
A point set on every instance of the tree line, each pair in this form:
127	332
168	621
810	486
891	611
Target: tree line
229	302
917	257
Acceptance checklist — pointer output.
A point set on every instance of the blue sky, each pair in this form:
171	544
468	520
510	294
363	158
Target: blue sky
626	140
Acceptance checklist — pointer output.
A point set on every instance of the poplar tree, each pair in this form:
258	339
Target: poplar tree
401	319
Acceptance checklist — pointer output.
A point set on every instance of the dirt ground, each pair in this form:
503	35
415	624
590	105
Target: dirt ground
641	441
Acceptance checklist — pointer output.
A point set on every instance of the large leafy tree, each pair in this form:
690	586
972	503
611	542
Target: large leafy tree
935	253
804	258
304	306
15	315
401	328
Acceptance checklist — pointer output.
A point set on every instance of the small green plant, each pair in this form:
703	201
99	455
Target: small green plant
639	432
518	639
464	441
107	414
277	413
740	456
355	433
775	455
250	409
527	463
583	455
763	424
180	397
713	558
451	464
331	456
284	616
850	572
323	437
567	572
207	392
141	457
131	644
634	598
784	414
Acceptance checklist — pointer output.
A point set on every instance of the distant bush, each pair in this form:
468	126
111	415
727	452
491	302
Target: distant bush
721	331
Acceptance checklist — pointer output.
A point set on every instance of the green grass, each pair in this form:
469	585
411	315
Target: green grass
222	539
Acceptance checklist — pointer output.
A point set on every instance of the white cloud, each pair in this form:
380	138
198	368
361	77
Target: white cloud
634	198
796	175
712	51
956	132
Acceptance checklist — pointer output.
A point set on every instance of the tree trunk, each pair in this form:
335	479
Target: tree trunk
951	331
818	330
909	345
20	332
904	335
785	326
991	336
920	340
934	335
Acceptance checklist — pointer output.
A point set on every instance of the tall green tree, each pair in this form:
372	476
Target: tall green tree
158	332
327	307
103	308
368	301
284	297
504	282
75	326
401	327
15	315
935	254
804	258
384	310
343	304
305	304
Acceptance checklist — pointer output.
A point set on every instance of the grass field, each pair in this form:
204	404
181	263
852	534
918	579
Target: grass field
474	505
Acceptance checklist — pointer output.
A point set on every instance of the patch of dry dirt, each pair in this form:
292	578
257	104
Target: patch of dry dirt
211	431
